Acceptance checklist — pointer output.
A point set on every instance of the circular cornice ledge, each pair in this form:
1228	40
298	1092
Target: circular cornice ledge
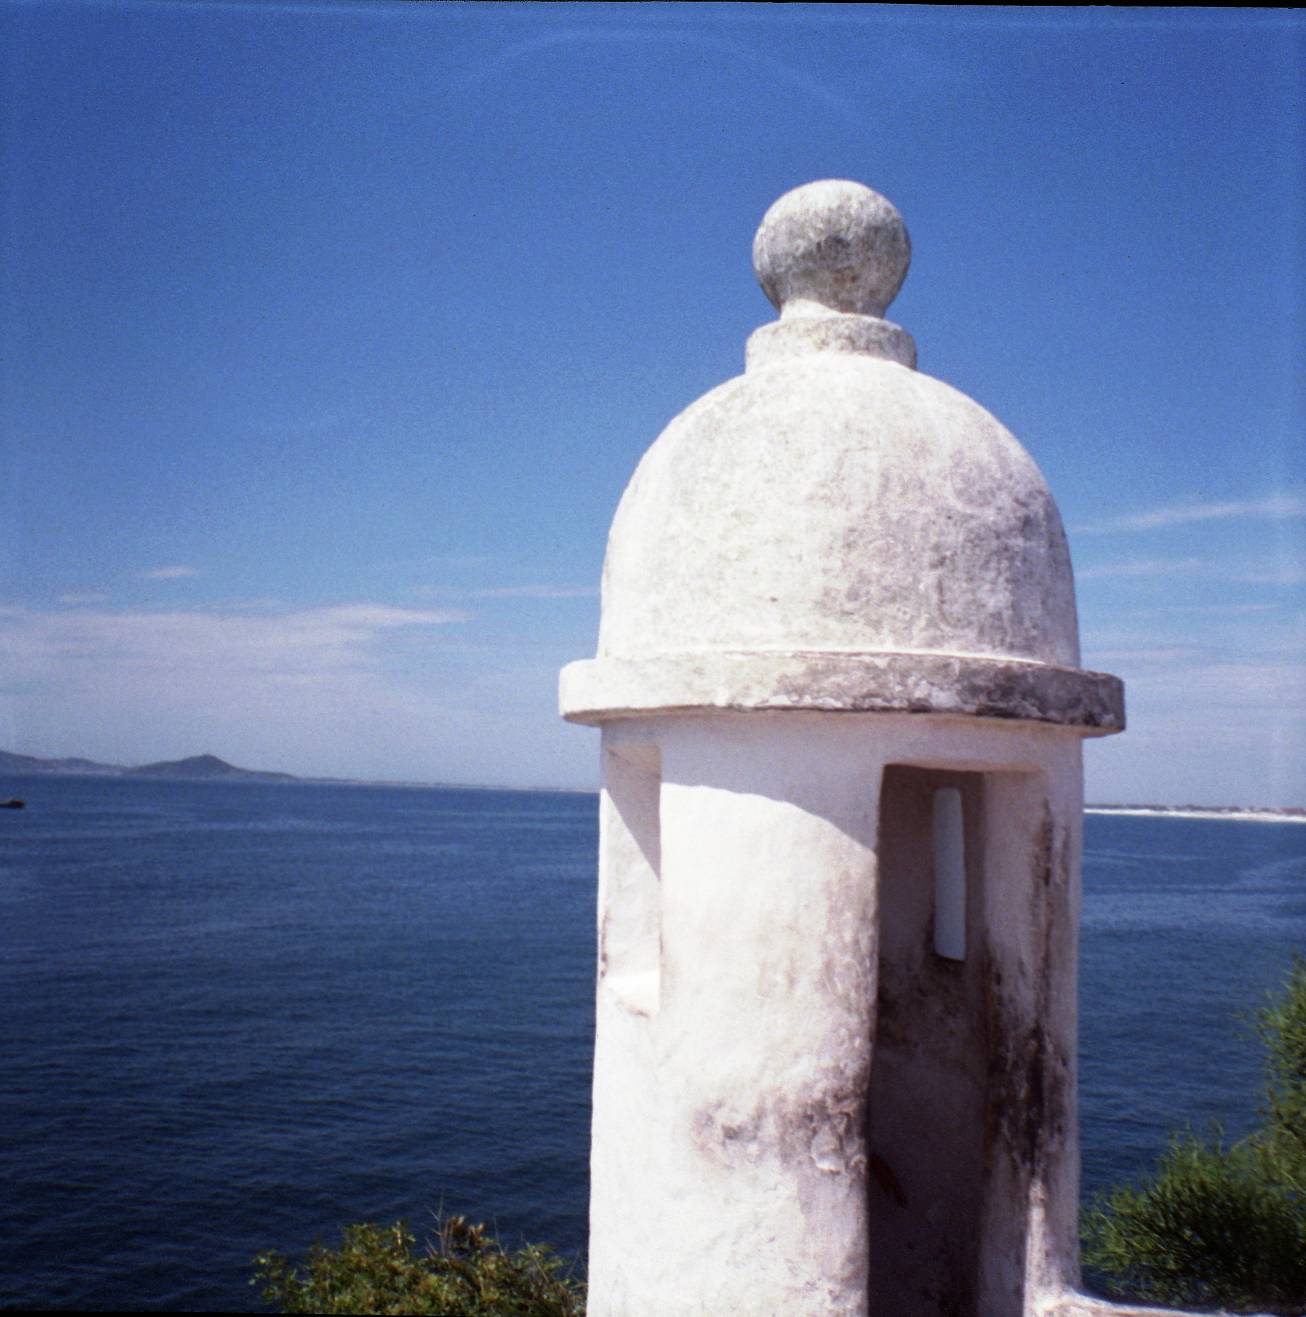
596	691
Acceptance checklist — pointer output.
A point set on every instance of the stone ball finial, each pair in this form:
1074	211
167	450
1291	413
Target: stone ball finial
831	246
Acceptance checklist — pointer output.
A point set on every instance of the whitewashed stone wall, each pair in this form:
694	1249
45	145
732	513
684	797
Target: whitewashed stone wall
836	592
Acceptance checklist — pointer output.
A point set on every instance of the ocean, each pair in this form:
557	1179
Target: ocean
239	1016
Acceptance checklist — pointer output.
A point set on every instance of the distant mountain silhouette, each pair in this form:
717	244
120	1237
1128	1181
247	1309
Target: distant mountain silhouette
206	768
12	763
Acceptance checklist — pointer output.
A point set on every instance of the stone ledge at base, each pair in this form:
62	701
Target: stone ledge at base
1080	1305
598	690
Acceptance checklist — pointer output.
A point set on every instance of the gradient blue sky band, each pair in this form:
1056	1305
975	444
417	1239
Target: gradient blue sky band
332	332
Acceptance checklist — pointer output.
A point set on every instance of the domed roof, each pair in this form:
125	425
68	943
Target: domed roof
833	529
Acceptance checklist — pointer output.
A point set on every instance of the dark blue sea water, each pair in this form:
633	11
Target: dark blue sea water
235	1017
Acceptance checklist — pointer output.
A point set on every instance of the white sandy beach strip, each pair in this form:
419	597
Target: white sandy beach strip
1238	815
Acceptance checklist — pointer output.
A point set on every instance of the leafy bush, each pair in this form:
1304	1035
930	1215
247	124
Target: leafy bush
1223	1226
463	1272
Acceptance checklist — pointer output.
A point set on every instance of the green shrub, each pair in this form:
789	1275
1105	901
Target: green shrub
463	1272
1220	1226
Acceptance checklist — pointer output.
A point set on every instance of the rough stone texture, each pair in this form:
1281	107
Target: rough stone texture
736	1077
838	502
597	690
833	501
799	1108
831	246
862	335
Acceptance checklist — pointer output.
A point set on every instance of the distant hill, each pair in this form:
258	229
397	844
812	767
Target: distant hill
12	763
202	768
208	768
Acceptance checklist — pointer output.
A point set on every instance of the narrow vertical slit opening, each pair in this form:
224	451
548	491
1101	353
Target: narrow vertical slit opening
949	853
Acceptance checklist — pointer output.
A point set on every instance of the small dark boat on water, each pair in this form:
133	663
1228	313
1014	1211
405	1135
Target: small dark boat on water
13	803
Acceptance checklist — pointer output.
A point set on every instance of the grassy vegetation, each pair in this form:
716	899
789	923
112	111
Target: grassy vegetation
1216	1226
462	1272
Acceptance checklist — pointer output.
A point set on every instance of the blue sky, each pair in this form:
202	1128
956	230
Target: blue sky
332	333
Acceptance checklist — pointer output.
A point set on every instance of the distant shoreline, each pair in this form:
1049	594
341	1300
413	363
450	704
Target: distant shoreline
209	768
1197	812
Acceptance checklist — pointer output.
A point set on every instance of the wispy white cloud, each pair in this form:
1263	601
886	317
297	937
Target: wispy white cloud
338	688
510	592
1144	655
1141	567
536	592
1199	610
89	597
281	645
363	689
1285	573
169	573
441	561
1206	723
1286	506
1259	693
778	72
